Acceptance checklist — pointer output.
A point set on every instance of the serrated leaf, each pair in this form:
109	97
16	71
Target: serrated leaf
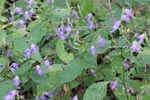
96	91
62	54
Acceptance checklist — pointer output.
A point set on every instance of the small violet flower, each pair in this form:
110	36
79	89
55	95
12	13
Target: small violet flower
47	62
135	47
49	1
19	10
125	18
43	98
93	50
92	71
9	53
75	98
26	15
39	70
128	12
16	81
34	47
88	16
126	64
68	30
48	94
27	52
101	42
22	23
127	15
91	25
115	26
141	38
14	66
31	12
11	95
30	2
113	84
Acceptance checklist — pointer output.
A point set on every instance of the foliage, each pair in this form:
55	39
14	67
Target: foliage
74	49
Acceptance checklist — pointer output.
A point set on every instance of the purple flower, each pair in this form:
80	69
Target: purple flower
49	1
68	30
74	14
47	62
26	15
34	47
113	84
135	47
128	12
37	98
141	38
28	52
101	42
31	12
61	35
11	95
92	71
48	94
19	10
91	25
115	26
126	64
8	97
16	81
14	66
44	98
22	23
93	50
9	53
88	16
39	70
30	2
75	98
125	18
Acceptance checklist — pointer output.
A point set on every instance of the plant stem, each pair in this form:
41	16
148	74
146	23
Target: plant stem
123	81
110	10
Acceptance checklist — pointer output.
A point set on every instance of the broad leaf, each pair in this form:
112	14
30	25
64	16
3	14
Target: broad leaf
96	91
62	54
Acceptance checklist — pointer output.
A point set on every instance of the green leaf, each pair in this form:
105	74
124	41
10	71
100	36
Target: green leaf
143	58
42	79
36	56
62	12
1	5
25	67
3	38
55	68
62	54
71	71
6	86
38	29
3	19
117	63
96	91
86	6
20	44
